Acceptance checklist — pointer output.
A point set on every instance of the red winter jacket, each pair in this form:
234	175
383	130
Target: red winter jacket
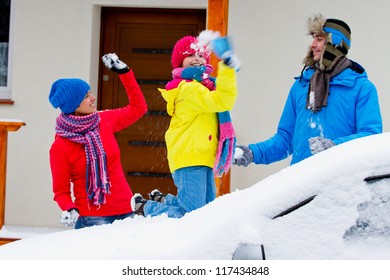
68	160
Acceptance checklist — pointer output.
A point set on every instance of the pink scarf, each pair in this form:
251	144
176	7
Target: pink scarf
85	130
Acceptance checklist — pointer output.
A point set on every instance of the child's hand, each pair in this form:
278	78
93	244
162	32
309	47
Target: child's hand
223	49
233	62
194	73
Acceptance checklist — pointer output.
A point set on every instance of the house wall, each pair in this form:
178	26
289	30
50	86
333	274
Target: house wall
52	39
56	38
271	40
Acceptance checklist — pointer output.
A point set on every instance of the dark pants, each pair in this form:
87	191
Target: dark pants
88	221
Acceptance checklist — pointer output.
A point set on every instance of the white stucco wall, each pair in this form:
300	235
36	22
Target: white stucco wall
56	38
52	39
270	39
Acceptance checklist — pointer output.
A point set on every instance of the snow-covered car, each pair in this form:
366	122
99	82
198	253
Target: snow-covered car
333	205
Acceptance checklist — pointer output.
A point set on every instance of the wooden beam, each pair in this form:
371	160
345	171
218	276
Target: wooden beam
217	20
217	15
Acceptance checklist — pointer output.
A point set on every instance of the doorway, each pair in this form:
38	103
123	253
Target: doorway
144	38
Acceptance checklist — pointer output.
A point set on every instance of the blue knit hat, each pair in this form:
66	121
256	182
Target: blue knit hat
67	94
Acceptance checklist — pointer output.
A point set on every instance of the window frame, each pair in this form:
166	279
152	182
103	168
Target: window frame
6	91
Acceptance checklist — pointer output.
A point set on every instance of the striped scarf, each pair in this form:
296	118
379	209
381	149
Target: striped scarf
85	130
226	139
319	83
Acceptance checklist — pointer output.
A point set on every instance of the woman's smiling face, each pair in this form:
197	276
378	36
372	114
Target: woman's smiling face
87	106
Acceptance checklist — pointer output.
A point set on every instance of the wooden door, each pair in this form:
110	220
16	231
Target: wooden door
144	38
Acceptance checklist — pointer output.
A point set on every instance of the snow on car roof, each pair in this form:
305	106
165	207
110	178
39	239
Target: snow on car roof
344	218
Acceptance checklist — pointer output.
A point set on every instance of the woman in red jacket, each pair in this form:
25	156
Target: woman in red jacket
88	180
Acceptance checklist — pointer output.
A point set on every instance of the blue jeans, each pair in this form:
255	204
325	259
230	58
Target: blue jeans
89	221
195	188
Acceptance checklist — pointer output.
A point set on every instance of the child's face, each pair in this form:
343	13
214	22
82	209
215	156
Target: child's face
193	60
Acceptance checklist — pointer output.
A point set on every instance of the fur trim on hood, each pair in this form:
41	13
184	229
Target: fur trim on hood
314	26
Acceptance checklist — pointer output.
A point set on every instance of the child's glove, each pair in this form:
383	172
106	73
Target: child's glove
223	49
194	72
112	62
220	45
243	156
319	144
233	62
69	217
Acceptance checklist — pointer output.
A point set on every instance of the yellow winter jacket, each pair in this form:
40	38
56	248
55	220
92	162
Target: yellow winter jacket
192	136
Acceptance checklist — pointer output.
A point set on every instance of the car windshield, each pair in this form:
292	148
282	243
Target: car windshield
374	214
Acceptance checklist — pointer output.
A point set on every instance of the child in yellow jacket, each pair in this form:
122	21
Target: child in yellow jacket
200	137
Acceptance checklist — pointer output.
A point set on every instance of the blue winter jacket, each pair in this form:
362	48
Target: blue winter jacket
353	111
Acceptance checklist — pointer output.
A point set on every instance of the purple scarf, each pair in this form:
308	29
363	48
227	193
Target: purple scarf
85	130
226	139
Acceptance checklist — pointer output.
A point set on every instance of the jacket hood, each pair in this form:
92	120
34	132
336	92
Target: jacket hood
170	97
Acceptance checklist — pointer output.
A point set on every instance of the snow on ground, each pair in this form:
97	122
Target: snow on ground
347	219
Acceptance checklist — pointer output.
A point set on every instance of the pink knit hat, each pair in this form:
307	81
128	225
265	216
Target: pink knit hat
185	47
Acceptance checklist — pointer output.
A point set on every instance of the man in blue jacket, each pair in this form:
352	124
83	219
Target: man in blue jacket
331	102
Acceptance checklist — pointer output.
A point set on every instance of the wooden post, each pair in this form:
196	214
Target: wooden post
217	20
5	126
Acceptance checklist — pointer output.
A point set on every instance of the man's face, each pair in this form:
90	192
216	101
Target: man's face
318	46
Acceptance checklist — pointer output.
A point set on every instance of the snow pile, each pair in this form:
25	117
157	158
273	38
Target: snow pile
205	38
347	218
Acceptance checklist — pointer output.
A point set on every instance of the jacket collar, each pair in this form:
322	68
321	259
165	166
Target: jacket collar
345	78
